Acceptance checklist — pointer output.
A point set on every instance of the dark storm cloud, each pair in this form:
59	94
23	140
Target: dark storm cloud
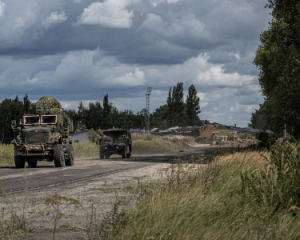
75	50
184	29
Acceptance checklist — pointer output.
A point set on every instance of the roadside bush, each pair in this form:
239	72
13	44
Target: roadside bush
266	140
94	136
278	183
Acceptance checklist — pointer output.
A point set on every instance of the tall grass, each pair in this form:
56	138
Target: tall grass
87	149
234	197
277	184
6	155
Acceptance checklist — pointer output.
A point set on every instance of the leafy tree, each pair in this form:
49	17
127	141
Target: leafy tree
261	118
170	105
107	107
27	104
159	117
178	103
278	58
192	106
175	104
9	110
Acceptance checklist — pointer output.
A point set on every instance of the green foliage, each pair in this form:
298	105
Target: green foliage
266	140
11	110
277	185
261	118
175	104
94	136
192	106
107	108
278	60
159	117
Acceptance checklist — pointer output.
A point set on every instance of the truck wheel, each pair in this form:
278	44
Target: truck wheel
128	154
19	161
32	163
124	153
101	154
70	160
59	160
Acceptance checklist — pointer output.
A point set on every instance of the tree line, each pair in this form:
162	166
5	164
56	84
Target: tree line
278	59
97	115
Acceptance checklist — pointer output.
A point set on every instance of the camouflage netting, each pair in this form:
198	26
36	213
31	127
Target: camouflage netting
48	104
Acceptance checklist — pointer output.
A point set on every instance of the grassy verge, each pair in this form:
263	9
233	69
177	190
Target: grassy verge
246	195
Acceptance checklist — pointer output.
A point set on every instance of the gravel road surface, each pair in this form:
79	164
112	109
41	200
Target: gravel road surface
45	176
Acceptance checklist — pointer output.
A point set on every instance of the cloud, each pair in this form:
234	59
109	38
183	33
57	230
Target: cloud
89	75
156	2
120	47
2	8
19	24
187	26
136	78
54	19
111	14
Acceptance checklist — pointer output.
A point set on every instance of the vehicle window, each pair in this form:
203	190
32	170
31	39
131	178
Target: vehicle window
48	119
32	120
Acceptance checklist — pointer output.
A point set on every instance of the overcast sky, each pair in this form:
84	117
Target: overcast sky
80	50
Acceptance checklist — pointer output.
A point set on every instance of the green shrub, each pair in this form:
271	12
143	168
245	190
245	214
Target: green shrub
278	183
266	140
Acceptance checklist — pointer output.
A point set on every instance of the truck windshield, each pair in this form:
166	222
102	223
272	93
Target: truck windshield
32	120
48	119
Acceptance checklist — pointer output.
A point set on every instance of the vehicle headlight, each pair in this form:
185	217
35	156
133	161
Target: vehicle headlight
117	147
105	147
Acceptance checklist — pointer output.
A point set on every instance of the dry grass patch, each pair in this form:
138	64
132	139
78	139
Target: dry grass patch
7	155
87	149
217	202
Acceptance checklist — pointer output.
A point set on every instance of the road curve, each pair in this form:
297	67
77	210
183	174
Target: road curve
45	176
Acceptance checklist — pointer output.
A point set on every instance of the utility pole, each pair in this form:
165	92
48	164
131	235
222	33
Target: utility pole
147	115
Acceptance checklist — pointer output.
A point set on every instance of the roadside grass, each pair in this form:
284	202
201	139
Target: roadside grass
14	220
7	155
245	195
87	149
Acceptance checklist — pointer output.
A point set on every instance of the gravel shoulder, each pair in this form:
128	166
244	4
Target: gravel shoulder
97	195
96	185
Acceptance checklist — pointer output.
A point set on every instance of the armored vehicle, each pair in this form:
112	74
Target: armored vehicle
115	141
44	135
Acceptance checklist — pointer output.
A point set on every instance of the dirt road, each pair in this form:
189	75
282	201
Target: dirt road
45	176
93	182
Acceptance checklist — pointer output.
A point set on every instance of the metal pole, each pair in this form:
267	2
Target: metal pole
147	115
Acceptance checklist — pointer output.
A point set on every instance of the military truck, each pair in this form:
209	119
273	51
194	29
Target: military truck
43	136
115	141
